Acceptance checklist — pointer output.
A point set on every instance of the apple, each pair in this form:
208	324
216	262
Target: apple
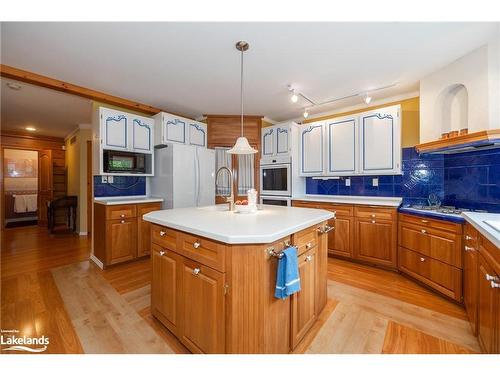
238	203
244	202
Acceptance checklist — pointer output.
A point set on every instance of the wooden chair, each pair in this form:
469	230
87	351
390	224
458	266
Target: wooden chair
68	204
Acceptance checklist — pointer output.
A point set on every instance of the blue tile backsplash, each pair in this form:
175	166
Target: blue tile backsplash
467	180
121	186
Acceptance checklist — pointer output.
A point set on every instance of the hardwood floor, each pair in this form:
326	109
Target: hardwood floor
369	310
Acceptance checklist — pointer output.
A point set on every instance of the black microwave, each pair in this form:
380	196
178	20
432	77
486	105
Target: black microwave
123	162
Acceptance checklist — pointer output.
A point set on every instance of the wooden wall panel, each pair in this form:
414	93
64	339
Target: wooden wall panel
30	142
223	130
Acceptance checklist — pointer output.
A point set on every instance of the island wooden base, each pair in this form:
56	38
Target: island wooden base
219	298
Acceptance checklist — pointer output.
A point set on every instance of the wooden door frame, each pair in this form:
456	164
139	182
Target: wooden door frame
90	188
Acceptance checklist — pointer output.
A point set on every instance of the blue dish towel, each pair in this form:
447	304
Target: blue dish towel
287	275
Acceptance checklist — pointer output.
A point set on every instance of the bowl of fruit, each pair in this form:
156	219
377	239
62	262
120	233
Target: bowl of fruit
242	207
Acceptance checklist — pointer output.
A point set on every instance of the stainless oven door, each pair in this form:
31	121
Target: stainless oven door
275	179
276	201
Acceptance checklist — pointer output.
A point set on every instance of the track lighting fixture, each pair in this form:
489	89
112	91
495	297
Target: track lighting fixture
367	98
306	114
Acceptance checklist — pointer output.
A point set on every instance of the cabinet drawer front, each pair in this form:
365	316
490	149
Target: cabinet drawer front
340	209
431	223
371	212
120	212
471	236
305	240
440	245
439	275
205	251
306	204
164	237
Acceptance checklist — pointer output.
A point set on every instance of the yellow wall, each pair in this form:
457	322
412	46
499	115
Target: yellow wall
410	119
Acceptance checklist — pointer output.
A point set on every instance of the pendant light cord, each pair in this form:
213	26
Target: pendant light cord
241	92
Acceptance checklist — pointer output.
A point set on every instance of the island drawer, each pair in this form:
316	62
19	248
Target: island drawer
305	239
427	222
164	237
122	211
339	209
207	252
371	212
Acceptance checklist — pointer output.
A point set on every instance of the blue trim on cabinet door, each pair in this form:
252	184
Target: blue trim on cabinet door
177	122
302	148
380	117
330	145
270	131
117	119
143	125
278	131
199	128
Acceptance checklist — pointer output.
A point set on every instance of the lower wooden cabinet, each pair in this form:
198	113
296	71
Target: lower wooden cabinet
165	284
375	241
120	233
470	274
303	303
340	239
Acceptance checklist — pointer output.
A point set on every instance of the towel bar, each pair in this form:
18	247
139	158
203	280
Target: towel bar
271	251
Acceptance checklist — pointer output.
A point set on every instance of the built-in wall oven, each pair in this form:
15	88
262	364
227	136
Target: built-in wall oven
276	201
275	179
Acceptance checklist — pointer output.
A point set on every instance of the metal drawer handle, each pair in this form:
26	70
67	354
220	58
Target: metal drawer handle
491	278
308	245
123	221
423	231
467	237
325	229
196	245
468	248
308	258
495	285
196	271
425	221
422	259
162	253
162	233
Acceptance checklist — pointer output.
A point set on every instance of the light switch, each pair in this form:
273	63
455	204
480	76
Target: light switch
375	181
110	179
347	182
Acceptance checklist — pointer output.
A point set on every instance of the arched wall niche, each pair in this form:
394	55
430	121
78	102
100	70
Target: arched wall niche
451	108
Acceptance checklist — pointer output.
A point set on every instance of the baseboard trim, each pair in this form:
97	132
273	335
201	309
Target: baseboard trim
98	263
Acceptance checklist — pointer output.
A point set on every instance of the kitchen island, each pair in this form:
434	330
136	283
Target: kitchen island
214	275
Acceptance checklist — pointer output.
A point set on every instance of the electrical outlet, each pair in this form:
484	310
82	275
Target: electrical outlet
347	182
110	179
375	181
104	179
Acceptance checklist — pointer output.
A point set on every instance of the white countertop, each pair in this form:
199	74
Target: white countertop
126	200
352	199
477	219
216	222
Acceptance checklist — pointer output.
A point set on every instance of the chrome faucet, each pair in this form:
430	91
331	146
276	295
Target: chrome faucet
230	198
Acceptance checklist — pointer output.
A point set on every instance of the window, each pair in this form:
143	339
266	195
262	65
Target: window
246	176
223	159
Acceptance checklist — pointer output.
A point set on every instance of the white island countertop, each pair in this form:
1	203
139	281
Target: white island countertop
351	199
126	200
485	223
217	223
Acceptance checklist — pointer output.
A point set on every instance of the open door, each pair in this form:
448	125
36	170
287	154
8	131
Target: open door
45	185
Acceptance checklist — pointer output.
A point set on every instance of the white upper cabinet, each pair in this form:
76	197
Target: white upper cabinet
268	142
342	145
197	133
311	146
275	141
380	141
282	140
176	129
125	131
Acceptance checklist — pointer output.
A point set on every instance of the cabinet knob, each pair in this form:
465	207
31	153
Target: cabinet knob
162	253
196	245
122	215
495	285
373	215
467	237
123	221
373	221
196	271
162	233
422	259
425	221
423	231
491	278
468	248
308	258
308	245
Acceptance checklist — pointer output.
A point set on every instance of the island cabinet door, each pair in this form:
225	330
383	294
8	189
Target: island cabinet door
488	309
470	275
304	302
122	237
375	241
202	308
165	266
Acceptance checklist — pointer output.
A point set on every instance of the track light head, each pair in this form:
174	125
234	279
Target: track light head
367	98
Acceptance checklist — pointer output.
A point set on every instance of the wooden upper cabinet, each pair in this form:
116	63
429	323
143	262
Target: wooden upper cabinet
223	130
375	241
121	235
202	308
311	146
488	307
470	274
342	137
303	302
144	228
380	141
166	266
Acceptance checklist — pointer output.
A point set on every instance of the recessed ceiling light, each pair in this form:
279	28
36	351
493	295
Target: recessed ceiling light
13	86
30	128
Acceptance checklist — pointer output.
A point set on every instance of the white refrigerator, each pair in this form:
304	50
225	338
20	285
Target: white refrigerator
184	176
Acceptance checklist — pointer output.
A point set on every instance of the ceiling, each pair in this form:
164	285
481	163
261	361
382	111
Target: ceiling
193	68
52	113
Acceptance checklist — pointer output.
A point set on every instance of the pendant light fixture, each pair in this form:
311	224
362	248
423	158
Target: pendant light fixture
242	147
